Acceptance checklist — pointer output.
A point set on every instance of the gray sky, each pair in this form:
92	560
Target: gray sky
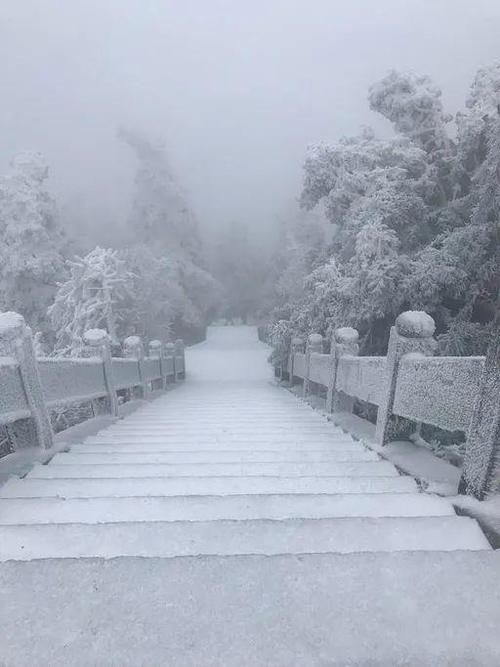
237	89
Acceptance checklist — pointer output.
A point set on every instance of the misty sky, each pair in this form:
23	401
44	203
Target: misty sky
237	88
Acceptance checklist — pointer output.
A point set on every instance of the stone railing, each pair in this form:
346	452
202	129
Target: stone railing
451	393
31	387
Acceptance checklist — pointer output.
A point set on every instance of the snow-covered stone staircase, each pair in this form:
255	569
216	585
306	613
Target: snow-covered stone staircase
227	464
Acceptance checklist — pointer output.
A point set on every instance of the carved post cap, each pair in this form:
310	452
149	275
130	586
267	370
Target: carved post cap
132	347
415	324
179	345
96	337
297	342
170	347
346	335
155	346
12	328
315	342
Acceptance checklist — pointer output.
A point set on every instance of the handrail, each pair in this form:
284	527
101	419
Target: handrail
452	393
31	387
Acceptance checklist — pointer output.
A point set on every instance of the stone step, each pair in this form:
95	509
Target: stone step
231	538
243	448
223	441
110	471
255	431
95	456
200	486
213	508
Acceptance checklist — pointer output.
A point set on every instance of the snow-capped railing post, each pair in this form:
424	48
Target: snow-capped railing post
314	344
180	361
133	349
16	341
296	345
170	354
156	352
482	450
344	343
413	333
99	342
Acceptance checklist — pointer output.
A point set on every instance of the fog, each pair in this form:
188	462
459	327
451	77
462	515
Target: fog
237	90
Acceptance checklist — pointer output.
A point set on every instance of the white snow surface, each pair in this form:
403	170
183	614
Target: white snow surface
228	523
95	335
415	324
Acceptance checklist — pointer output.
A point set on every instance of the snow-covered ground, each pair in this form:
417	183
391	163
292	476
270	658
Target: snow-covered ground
271	537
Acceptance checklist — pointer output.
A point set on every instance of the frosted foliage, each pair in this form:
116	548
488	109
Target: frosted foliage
484	95
415	324
413	104
374	243
346	335
161	215
93	297
363	177
414	222
31	241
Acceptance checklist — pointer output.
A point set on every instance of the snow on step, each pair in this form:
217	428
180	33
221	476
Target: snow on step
245	448
108	471
201	442
304	439
82	457
213	508
226	464
199	486
230	538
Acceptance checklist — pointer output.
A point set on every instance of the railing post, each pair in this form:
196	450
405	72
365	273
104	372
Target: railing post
156	352
344	343
180	360
170	354
99	341
483	439
413	332
314	344
133	349
16	341
296	345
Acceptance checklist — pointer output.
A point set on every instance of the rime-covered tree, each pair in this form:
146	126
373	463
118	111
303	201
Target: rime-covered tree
31	240
416	219
94	296
165	227
161	215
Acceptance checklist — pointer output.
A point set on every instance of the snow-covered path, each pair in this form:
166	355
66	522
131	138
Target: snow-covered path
304	540
228	464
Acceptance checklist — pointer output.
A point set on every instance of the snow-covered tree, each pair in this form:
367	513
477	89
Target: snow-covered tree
31	241
161	215
413	104
170	293
417	220
94	296
175	287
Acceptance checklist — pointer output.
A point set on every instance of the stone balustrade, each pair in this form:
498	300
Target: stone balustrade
31	387
451	393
